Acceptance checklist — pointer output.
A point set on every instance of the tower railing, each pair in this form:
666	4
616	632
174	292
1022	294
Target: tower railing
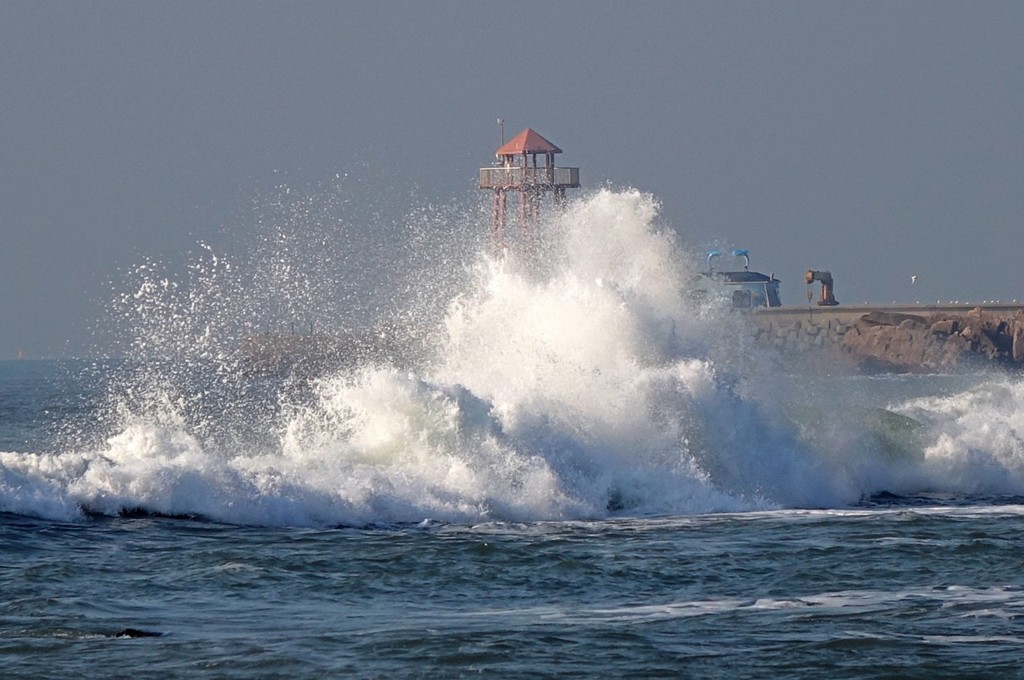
542	177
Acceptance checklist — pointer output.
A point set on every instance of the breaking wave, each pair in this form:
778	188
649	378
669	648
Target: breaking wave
572	379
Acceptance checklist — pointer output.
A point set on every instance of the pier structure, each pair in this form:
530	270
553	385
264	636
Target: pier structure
517	169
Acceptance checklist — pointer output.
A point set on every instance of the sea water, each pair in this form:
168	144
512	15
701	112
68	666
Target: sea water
572	468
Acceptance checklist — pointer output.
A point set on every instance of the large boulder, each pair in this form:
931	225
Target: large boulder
908	342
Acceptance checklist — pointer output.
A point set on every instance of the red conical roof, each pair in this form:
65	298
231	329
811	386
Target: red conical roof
527	141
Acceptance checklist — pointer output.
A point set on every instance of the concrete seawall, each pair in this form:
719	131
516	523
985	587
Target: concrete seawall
897	337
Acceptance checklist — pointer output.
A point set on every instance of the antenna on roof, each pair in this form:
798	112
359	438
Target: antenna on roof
501	124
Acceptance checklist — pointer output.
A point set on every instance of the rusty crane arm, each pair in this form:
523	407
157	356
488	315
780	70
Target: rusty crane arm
825	278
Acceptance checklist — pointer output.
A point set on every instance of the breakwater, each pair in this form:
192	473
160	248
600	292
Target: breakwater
912	338
869	338
314	354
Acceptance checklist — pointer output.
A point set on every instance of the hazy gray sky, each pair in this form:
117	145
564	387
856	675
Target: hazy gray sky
873	139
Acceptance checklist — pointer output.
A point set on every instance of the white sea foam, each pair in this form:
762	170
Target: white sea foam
35	484
976	438
994	602
572	384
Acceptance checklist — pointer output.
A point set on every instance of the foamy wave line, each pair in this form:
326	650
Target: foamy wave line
379	447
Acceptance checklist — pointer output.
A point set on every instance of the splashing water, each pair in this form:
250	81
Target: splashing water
576	382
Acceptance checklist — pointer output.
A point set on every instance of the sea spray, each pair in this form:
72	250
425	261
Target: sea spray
975	442
573	383
607	366
573	378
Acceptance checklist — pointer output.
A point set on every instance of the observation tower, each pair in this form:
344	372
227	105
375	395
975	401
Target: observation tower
517	169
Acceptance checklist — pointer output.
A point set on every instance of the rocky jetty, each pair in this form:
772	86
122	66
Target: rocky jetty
903	339
935	342
315	354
